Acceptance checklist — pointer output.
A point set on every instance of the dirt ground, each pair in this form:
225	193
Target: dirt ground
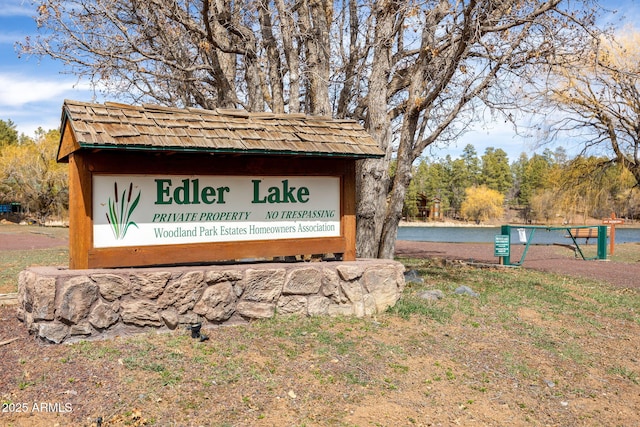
459	373
16	237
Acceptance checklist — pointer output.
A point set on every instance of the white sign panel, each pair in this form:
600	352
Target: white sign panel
143	210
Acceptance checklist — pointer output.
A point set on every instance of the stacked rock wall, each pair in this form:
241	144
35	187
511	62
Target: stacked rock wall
61	305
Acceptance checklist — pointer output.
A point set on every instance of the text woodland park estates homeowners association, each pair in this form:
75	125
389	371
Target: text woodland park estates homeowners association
141	210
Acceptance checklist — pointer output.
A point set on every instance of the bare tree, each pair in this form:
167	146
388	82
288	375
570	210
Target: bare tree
413	72
465	55
595	99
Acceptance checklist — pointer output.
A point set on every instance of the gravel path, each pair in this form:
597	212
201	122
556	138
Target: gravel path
544	258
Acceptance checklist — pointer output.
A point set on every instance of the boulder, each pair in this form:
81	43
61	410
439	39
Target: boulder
292	304
256	310
112	286
148	285
104	315
382	285
76	297
303	281
141	313
263	285
38	296
183	292
55	332
218	302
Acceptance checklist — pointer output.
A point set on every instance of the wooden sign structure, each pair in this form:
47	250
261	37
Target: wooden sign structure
151	185
612	222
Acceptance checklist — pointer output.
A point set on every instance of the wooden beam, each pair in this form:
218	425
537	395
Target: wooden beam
202	253
80	212
348	218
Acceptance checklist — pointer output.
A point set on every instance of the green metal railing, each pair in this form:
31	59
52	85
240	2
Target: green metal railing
602	240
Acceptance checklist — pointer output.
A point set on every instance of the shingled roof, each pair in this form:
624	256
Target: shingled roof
112	126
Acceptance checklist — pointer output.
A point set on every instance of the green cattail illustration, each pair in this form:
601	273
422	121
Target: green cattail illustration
119	215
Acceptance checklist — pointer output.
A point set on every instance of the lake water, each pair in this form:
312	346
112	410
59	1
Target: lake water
487	235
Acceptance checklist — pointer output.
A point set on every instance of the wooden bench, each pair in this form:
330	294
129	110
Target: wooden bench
580	233
585	233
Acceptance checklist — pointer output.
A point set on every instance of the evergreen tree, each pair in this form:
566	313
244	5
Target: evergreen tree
472	164
534	177
8	133
496	172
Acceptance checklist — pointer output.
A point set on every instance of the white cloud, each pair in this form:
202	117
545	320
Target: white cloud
17	90
11	38
32	102
16	8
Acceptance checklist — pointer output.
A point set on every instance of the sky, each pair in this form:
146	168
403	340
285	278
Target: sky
32	89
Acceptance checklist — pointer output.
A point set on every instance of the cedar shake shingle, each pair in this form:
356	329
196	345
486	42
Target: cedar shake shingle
117	126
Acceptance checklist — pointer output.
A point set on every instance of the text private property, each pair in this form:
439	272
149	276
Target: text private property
201	216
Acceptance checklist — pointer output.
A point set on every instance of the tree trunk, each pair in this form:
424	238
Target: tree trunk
401	181
276	96
373	175
291	53
314	24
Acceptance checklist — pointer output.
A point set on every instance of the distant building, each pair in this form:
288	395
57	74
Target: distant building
428	208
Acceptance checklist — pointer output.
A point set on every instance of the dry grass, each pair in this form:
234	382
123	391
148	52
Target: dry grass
533	349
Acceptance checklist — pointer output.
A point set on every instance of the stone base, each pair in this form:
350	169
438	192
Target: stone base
60	305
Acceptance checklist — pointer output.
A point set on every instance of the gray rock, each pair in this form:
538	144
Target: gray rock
431	295
292	304
55	332
369	304
170	318
382	284
317	305
349	272
412	276
141	313
82	328
148	285
330	285
238	290
213	277
353	291
465	290
38	296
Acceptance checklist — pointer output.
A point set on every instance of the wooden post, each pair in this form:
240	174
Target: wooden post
612	239
349	211
80	212
612	223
